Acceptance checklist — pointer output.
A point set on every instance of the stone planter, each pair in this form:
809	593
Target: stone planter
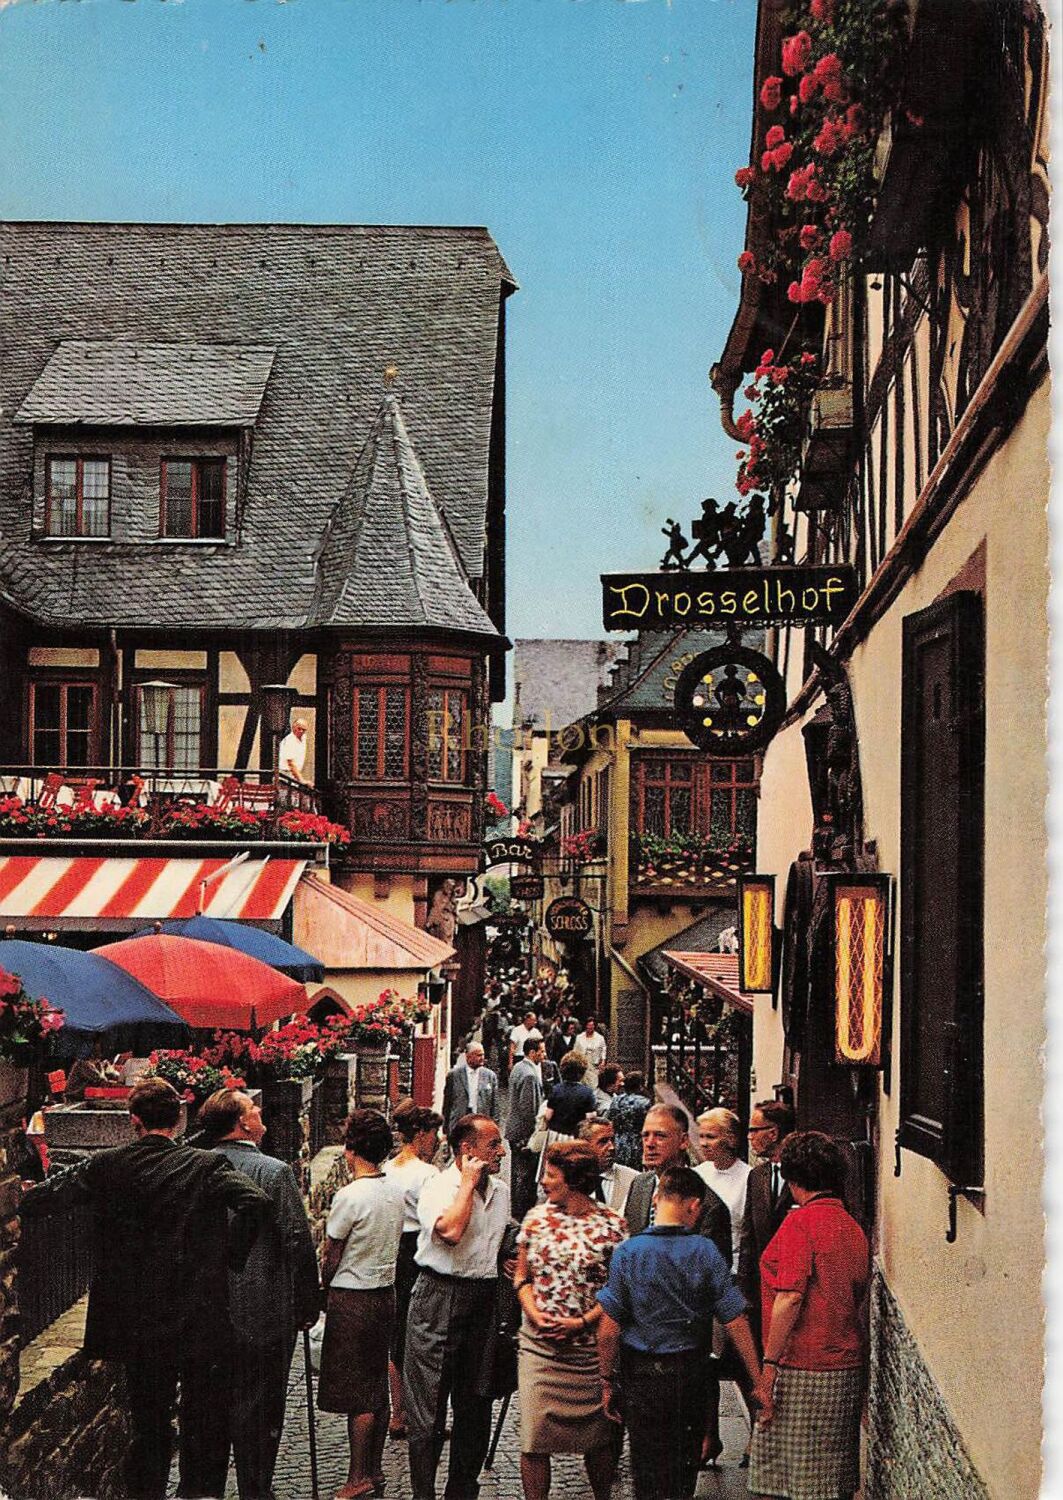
285	1110
83	1127
340	1086
371	1085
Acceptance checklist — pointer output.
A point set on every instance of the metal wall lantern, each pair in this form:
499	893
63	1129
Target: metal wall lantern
756	934
859	927
278	700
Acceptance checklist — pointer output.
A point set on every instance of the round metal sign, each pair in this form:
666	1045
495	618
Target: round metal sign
730	701
569	917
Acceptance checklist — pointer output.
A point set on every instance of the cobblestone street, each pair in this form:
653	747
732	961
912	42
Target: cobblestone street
292	1481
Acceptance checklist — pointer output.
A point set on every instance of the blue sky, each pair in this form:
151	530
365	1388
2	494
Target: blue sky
597	140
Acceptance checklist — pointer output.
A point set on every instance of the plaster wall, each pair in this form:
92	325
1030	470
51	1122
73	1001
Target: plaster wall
973	1307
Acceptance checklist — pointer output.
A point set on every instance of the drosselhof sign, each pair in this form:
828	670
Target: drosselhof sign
770	596
568	916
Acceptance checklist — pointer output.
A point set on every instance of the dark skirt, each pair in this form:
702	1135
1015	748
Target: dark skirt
354	1350
406	1272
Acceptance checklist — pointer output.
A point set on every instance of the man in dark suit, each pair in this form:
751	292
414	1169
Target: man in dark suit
276	1294
168	1222
768	1199
525	1097
665	1144
470	1089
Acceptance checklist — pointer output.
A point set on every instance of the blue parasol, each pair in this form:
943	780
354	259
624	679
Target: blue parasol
265	946
97	998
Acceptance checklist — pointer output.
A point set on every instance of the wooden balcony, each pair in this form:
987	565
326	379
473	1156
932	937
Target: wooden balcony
686	867
119	803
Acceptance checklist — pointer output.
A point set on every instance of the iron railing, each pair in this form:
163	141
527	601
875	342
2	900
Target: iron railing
54	1256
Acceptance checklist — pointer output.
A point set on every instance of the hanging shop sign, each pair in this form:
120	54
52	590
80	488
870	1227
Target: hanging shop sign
733	596
569	917
730	701
511	851
526	887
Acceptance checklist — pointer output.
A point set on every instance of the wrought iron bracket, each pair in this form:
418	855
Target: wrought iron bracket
896	1153
956	1191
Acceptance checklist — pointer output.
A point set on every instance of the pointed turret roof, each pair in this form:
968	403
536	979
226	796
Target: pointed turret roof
388	556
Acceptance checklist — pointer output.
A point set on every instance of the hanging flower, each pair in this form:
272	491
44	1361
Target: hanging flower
745	177
822	11
747	262
810	236
796	52
771	93
841	245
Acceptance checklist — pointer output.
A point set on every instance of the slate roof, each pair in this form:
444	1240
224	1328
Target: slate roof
124	383
388	552
339	303
700	937
655	659
556	682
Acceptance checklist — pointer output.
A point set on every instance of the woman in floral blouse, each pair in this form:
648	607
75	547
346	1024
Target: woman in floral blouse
562	1263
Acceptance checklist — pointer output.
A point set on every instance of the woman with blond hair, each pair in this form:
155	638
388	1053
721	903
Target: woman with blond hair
562	1263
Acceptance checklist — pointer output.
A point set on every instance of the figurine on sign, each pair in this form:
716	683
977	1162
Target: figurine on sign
675	557
741	537
705	529
730	694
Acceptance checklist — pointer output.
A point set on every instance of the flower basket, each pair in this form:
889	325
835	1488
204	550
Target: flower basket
24	1022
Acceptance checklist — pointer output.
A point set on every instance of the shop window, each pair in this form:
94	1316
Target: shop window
942	807
78	497
64	726
180	747
381	732
448	734
192	497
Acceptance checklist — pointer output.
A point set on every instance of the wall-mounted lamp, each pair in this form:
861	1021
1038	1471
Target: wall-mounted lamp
859	907
278	700
756	933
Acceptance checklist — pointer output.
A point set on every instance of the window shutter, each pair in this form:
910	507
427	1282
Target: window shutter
942	800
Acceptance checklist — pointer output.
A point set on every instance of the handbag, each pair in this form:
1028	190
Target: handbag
537	1141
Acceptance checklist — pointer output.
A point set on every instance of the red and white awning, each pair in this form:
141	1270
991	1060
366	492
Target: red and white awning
144	888
717	972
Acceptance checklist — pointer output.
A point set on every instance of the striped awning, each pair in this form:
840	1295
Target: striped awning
139	889
717	972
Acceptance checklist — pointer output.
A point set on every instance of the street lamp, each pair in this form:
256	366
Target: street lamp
278	700
858	947
756	933
156	703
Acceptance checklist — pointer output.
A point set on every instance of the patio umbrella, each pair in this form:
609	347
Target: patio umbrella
265	946
97	998
207	984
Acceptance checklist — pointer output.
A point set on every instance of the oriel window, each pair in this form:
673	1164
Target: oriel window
381	732
447	709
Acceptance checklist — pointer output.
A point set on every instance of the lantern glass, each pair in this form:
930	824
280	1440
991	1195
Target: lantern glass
155	700
278	700
859	969
756	933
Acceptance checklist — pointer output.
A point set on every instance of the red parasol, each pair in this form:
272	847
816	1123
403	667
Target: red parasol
206	984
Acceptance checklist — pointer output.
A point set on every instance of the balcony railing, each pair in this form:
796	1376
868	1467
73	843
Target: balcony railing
124	802
54	1255
686	864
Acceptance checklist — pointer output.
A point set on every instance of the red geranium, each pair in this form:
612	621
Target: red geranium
745	177
841	245
747	262
771	93
796	51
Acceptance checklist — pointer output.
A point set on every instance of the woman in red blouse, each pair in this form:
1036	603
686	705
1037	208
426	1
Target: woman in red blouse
814	1280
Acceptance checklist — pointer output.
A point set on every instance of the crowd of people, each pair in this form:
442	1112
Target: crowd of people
612	1281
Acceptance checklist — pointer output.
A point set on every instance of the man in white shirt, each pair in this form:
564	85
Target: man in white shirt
519	1035
470	1089
291	754
451	1326
614	1182
592	1047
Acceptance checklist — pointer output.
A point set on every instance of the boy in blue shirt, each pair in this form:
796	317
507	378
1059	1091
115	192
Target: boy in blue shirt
665	1287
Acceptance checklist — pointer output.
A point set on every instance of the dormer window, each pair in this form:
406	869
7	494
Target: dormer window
192	498
78	496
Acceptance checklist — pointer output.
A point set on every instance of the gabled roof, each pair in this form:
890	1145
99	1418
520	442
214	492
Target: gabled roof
125	382
388	556
345	932
339	303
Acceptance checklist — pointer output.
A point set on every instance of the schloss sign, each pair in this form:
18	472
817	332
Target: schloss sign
734	596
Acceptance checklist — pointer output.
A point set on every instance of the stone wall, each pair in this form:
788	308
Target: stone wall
67	1436
328	1173
915	1451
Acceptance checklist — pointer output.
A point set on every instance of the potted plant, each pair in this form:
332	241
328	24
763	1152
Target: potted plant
24	1025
